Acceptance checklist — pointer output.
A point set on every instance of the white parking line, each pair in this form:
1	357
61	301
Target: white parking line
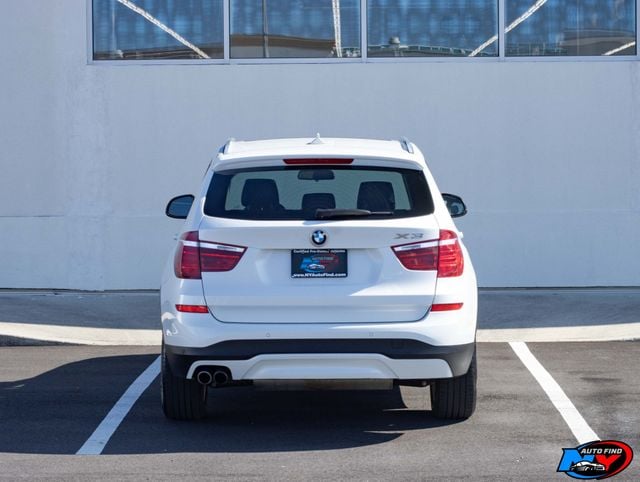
578	425
612	332
99	438
82	335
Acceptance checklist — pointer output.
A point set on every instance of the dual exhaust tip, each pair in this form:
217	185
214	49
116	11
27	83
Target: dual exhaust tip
216	379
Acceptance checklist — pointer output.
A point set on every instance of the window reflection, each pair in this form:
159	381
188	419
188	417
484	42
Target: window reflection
432	28
295	28
570	28
152	29
193	29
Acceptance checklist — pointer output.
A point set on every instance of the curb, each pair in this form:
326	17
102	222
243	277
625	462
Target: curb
19	334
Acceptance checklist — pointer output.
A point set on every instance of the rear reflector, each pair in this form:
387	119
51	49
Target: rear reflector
317	161
443	254
192	308
446	306
193	257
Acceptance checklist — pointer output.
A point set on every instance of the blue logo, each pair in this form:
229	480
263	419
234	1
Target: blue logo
318	237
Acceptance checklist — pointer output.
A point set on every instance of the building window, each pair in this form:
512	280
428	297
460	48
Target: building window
294	29
152	29
570	28
432	28
227	30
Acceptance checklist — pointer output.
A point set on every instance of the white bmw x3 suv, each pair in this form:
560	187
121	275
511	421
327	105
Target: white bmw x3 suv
318	261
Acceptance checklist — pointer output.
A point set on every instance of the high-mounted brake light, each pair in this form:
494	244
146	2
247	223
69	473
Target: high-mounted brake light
193	256
443	255
317	161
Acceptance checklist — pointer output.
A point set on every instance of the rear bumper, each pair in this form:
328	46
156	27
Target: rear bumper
325	358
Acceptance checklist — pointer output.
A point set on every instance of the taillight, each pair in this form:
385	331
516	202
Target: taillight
186	263
193	257
450	259
443	254
418	256
219	257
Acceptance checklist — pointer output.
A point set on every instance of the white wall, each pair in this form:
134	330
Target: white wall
544	153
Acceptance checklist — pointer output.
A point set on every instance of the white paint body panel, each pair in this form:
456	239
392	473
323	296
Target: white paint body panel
198	331
260	289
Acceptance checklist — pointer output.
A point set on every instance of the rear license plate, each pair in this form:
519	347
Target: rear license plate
319	263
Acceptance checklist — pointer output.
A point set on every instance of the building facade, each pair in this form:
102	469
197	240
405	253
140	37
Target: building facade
529	109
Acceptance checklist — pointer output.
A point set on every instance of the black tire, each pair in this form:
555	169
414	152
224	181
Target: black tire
182	399
455	398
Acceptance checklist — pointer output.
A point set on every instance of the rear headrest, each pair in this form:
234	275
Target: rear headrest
376	196
260	193
318	200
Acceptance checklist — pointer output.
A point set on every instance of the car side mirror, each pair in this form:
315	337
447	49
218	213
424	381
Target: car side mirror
179	206
455	205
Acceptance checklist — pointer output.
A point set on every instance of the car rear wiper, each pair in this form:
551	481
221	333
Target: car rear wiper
348	213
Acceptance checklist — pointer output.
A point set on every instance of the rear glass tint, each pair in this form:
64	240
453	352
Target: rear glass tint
296	193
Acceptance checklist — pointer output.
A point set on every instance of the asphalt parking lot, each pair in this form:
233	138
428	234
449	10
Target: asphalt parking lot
52	399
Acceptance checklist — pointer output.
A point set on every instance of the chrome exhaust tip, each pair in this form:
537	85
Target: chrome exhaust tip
204	377
220	377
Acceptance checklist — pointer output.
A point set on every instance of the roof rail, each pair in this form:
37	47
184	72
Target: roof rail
227	145
406	145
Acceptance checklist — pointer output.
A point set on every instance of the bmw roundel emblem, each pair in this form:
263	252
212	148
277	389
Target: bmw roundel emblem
318	237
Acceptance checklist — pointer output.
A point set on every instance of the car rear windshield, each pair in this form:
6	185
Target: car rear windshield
318	192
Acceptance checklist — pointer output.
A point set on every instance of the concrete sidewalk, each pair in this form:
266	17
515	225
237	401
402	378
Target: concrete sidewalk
133	317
